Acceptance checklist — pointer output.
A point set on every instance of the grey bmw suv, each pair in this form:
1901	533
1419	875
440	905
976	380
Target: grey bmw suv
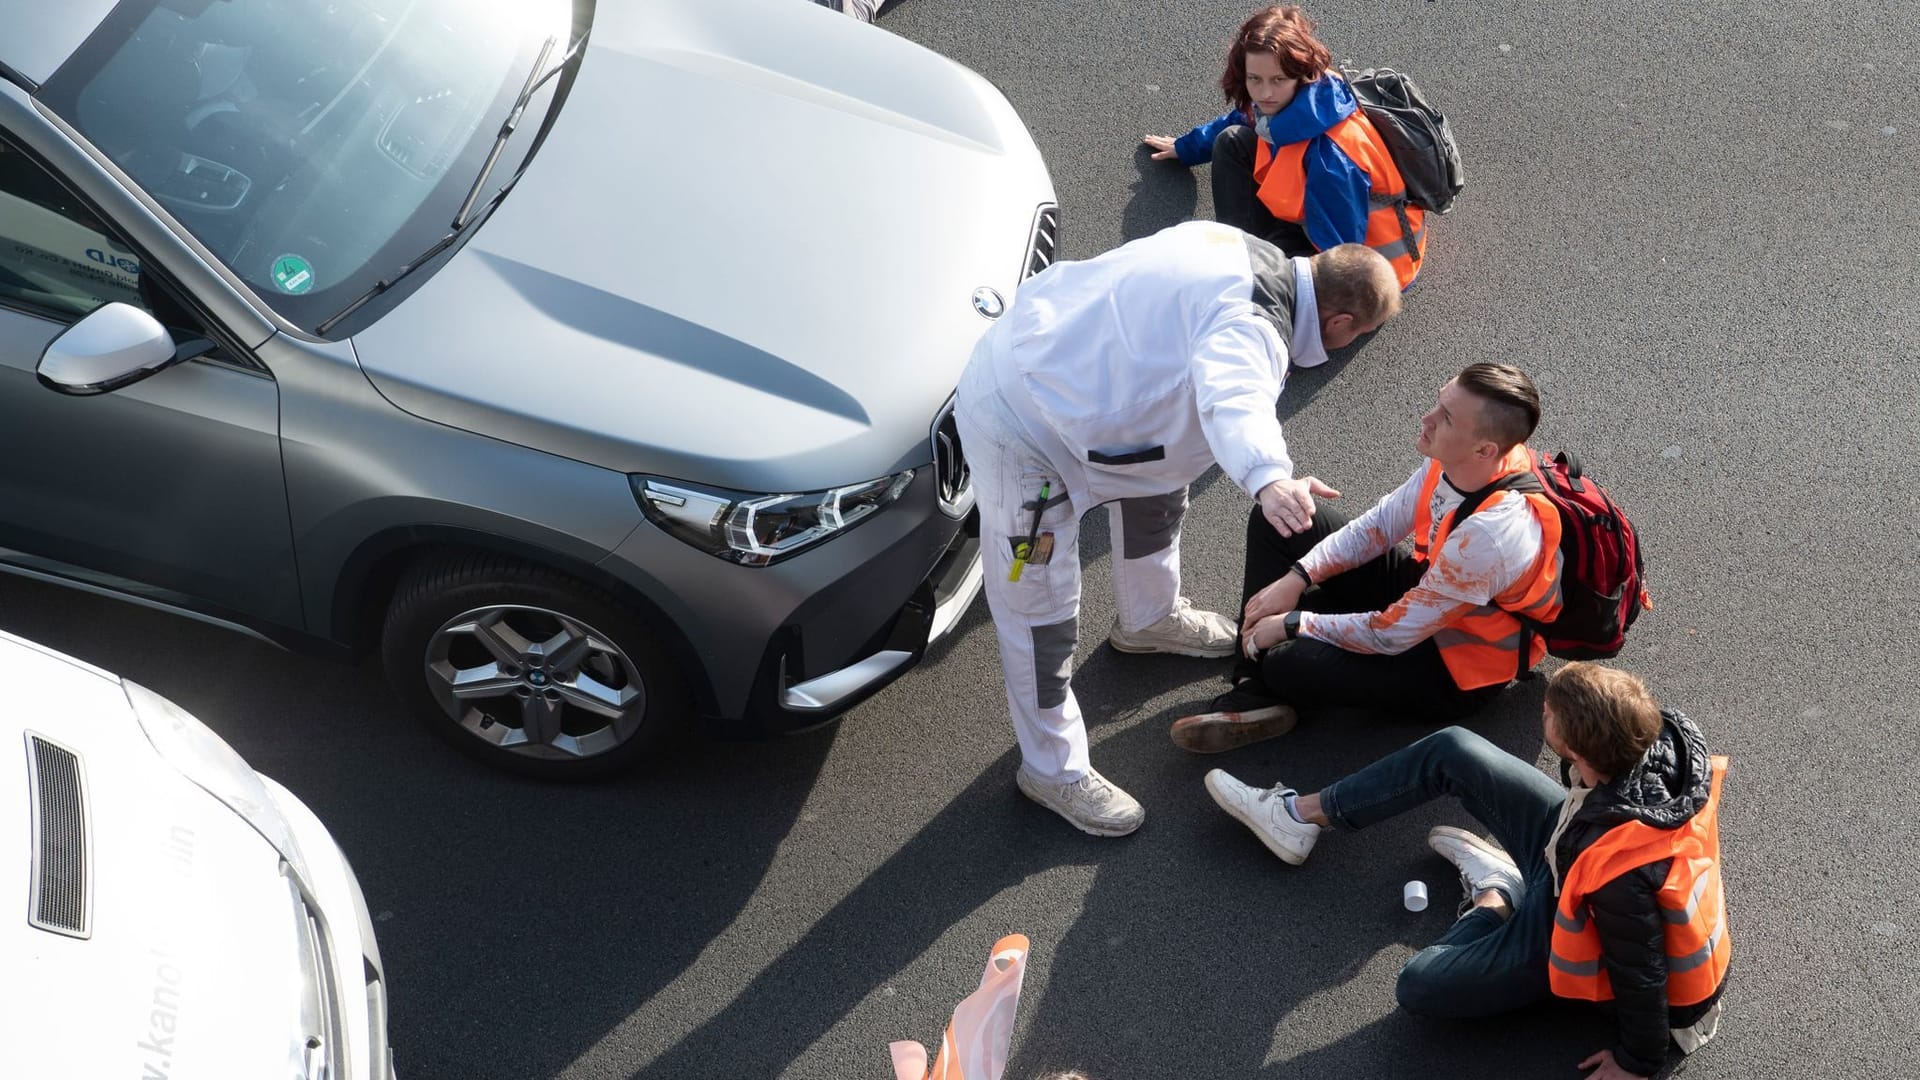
592	362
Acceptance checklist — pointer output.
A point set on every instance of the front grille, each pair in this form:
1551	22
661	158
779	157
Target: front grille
57	789
1044	242
953	479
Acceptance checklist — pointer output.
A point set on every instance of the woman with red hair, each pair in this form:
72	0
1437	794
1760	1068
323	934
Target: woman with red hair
1295	160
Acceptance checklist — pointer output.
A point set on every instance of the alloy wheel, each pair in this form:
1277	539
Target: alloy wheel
535	682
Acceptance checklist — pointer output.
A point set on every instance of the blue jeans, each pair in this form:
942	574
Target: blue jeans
1484	964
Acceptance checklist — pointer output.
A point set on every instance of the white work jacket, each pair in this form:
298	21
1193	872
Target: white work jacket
1137	370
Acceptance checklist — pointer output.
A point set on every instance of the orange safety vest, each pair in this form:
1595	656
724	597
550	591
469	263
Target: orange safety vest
1481	648
1280	177
980	1035
1691	900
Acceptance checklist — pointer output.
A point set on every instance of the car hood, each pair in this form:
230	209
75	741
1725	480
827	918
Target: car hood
745	254
189	966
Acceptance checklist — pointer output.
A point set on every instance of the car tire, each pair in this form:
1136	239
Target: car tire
527	669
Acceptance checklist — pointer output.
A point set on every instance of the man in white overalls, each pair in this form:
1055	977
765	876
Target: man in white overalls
1122	379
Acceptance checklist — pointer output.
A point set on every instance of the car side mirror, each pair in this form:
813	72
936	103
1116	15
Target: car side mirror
116	345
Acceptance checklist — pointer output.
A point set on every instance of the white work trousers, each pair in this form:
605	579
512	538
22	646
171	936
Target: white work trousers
1037	617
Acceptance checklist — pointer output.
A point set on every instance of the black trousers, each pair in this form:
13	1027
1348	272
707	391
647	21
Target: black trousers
1309	674
1236	200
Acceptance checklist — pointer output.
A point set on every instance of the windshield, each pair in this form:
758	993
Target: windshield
315	146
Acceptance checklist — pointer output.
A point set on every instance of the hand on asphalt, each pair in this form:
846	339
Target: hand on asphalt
1609	1069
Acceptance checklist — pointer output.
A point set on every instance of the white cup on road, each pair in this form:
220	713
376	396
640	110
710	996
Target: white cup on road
1414	895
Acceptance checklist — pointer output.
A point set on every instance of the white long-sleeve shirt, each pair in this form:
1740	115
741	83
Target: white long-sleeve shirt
1483	557
1151	362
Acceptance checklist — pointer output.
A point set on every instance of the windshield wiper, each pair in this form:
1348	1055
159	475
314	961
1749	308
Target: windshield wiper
535	80
507	126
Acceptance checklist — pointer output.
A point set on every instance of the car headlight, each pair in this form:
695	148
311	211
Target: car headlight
758	530
205	759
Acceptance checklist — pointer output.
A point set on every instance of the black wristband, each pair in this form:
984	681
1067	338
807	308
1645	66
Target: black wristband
1296	568
1292	624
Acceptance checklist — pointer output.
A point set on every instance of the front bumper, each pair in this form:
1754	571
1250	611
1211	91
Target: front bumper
932	612
789	646
358	976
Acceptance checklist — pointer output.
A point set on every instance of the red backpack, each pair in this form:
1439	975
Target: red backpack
1602	588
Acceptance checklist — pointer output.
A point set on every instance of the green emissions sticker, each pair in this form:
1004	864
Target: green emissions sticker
293	274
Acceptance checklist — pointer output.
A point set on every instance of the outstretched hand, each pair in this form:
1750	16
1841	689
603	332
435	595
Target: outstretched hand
1288	504
1162	146
1609	1069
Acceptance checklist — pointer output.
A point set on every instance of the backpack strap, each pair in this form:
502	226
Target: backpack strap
1409	242
1526	483
1407	235
1574	472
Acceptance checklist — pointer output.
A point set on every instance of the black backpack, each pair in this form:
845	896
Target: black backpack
1415	133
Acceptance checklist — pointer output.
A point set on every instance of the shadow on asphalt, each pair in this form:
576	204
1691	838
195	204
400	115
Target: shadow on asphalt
1165	194
1129	964
525	921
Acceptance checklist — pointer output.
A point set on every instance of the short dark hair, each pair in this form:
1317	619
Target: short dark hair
1510	403
1605	715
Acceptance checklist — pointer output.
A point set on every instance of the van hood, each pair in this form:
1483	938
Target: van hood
745	254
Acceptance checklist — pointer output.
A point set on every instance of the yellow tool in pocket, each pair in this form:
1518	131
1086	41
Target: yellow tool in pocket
1024	549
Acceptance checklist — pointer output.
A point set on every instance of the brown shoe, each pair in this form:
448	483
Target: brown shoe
1241	716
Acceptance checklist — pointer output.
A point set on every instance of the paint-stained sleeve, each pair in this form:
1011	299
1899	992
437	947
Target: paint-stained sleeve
1236	383
1468	571
1368	536
1412	619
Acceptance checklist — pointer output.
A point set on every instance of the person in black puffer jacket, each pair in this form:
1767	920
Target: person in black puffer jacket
1665	789
1615	896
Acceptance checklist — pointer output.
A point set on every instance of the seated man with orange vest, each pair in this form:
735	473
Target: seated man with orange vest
1337	615
1612	890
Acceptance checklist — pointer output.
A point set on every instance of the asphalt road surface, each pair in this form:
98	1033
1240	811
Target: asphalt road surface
1693	224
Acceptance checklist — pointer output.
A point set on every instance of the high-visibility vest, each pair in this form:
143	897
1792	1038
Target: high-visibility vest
1691	901
980	1035
1281	179
1483	647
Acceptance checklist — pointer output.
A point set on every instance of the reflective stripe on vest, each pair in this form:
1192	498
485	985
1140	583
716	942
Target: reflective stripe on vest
1281	179
1691	901
1482	647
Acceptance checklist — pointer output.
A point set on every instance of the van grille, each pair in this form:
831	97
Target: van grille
1044	242
59	842
952	477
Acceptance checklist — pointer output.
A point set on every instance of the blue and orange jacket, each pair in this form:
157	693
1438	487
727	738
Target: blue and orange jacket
1323	166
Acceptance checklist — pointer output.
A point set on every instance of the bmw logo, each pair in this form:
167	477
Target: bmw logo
988	303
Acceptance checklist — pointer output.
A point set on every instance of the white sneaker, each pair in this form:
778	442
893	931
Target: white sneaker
1093	804
1264	810
1482	866
1186	631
